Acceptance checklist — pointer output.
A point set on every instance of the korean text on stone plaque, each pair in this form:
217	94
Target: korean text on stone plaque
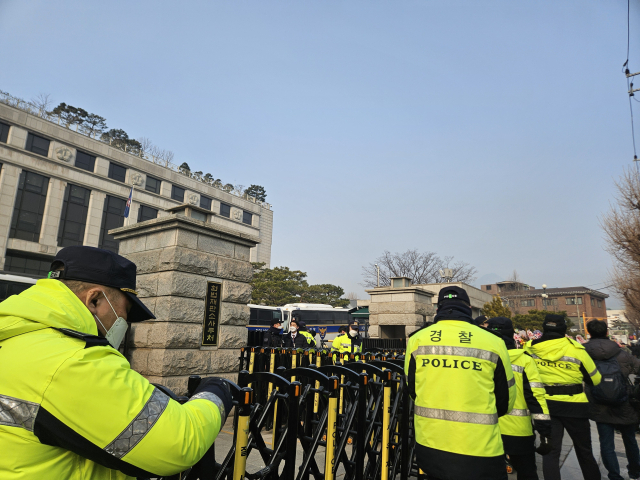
211	314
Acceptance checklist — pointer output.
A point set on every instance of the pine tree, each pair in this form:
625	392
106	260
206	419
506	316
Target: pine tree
495	308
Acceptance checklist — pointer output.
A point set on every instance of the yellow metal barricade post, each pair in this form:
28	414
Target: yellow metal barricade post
332	425
242	436
251	361
386	415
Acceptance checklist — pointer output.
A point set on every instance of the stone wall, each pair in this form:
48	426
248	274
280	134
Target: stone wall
407	307
175	257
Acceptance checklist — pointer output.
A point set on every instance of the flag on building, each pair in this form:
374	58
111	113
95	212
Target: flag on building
127	207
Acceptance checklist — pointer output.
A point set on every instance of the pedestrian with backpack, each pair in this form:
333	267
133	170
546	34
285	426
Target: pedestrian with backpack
609	401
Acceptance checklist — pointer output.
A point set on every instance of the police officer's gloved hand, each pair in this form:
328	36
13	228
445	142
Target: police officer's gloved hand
543	427
220	388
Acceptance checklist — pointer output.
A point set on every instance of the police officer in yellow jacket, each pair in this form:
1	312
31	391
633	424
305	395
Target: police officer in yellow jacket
563	365
70	405
517	434
351	342
461	380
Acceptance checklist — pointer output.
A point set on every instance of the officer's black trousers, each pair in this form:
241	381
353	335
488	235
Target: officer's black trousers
525	465
579	430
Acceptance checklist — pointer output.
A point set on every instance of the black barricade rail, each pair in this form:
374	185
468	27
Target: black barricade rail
351	415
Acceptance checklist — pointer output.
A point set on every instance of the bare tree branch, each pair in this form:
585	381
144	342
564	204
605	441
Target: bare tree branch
421	268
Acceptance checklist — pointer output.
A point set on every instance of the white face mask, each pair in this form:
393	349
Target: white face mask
353	333
116	333
292	329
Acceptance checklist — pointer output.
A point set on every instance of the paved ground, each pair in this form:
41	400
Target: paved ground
570	468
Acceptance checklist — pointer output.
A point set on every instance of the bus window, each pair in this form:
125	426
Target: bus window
308	317
277	315
253	316
342	318
325	317
264	317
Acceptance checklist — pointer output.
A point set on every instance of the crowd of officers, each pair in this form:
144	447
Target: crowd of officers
480	400
348	340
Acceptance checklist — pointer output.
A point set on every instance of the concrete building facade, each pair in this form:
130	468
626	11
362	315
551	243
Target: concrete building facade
60	188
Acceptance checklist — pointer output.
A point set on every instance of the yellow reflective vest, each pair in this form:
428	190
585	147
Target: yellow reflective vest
563	365
460	376
310	340
345	344
73	411
517	422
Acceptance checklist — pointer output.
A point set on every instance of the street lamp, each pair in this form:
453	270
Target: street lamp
544	295
378	271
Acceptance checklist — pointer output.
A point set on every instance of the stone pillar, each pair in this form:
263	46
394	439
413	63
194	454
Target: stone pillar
9	178
396	312
176	256
94	218
52	213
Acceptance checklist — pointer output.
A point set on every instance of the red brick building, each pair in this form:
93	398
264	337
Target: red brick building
576	301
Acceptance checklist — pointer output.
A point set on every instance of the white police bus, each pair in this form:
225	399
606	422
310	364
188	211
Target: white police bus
13	284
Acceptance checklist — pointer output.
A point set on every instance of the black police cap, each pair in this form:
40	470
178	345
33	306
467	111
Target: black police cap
453	294
102	267
554	323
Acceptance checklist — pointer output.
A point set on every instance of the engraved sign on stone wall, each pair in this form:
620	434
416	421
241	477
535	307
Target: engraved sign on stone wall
237	214
211	314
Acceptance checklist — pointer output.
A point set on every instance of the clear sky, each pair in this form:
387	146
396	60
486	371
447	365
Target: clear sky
491	131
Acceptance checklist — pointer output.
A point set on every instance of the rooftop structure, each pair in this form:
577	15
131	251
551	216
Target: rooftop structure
59	188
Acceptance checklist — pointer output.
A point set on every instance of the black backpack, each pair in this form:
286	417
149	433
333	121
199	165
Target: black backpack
613	389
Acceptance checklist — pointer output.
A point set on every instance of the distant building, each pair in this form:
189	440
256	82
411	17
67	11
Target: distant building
576	301
59	188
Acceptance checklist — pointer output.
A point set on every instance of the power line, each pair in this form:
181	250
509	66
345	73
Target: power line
628	74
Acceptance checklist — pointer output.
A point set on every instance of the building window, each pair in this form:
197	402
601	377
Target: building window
4	132
30	263
112	217
177	193
205	202
38	144
599	303
74	216
527	303
85	161
593	302
27	215
117	172
487	287
152	185
225	210
572	301
247	218
549	302
146	213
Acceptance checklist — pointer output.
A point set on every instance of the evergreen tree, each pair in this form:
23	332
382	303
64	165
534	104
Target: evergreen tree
495	308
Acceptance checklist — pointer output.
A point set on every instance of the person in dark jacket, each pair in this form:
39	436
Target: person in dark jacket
609	418
295	339
273	336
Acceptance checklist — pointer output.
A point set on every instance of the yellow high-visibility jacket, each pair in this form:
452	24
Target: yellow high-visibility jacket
564	364
461	379
347	344
69	410
517	423
310	340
